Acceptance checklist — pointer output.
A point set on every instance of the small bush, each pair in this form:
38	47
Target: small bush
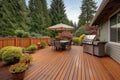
21	34
18	68
3	50
81	38
76	40
25	35
12	55
43	44
26	59
32	48
23	49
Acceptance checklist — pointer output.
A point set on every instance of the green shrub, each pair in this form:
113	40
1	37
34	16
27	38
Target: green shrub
3	50
23	49
25	35
12	55
81	38
43	44
32	48
18	68
26	59
21	34
76	40
36	35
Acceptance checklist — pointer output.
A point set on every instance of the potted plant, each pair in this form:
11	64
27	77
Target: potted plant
18	70
26	58
39	45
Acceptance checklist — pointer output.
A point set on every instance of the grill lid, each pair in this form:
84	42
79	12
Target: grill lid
89	39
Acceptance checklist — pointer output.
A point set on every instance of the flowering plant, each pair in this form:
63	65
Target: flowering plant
66	35
91	29
18	68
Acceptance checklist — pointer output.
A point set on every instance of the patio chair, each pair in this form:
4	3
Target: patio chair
53	43
68	45
57	45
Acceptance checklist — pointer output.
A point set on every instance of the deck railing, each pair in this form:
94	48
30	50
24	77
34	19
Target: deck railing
22	42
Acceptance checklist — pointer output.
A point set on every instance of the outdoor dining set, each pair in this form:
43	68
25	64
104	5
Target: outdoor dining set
65	38
61	44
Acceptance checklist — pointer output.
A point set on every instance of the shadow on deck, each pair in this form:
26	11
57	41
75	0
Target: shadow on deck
73	64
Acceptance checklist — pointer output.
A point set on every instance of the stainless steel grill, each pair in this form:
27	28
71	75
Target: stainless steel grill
93	47
88	43
89	39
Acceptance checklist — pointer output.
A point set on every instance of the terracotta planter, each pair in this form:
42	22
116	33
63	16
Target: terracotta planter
18	76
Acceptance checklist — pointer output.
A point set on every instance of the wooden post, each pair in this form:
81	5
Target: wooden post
15	41
30	40
2	43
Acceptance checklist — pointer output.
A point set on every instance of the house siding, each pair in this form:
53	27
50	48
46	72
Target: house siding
105	12
104	32
113	49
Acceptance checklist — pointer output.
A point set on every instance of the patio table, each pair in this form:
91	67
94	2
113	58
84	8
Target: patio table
64	43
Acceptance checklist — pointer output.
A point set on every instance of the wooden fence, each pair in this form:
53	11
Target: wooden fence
22	42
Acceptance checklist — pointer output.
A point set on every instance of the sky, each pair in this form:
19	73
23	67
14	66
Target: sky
72	8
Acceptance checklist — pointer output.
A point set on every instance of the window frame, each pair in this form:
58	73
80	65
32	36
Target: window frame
111	26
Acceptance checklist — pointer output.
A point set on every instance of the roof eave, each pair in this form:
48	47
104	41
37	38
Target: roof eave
100	9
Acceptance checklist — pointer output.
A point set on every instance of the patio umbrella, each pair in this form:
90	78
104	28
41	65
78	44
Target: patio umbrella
60	27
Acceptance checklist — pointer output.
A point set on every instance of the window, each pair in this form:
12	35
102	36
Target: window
118	25
115	28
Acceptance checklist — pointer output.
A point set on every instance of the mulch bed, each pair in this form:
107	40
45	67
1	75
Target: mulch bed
4	72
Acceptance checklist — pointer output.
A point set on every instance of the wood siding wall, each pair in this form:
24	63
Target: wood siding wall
104	31
22	42
113	50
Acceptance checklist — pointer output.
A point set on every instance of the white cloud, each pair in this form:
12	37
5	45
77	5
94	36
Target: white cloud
73	15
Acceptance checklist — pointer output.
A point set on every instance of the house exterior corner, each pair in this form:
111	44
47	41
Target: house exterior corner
108	21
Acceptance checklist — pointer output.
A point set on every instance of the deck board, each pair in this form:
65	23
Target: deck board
73	64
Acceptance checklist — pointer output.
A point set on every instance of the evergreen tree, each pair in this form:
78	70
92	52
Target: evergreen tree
36	15
47	20
45	13
24	13
88	10
57	12
39	16
12	17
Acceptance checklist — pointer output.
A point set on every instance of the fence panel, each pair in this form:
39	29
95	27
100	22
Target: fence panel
35	40
1	43
7	42
21	42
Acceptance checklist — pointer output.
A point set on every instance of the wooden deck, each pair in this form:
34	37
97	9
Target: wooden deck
73	64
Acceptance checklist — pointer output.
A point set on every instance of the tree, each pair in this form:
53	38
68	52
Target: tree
39	17
57	12
36	16
45	13
11	17
80	31
91	29
88	10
